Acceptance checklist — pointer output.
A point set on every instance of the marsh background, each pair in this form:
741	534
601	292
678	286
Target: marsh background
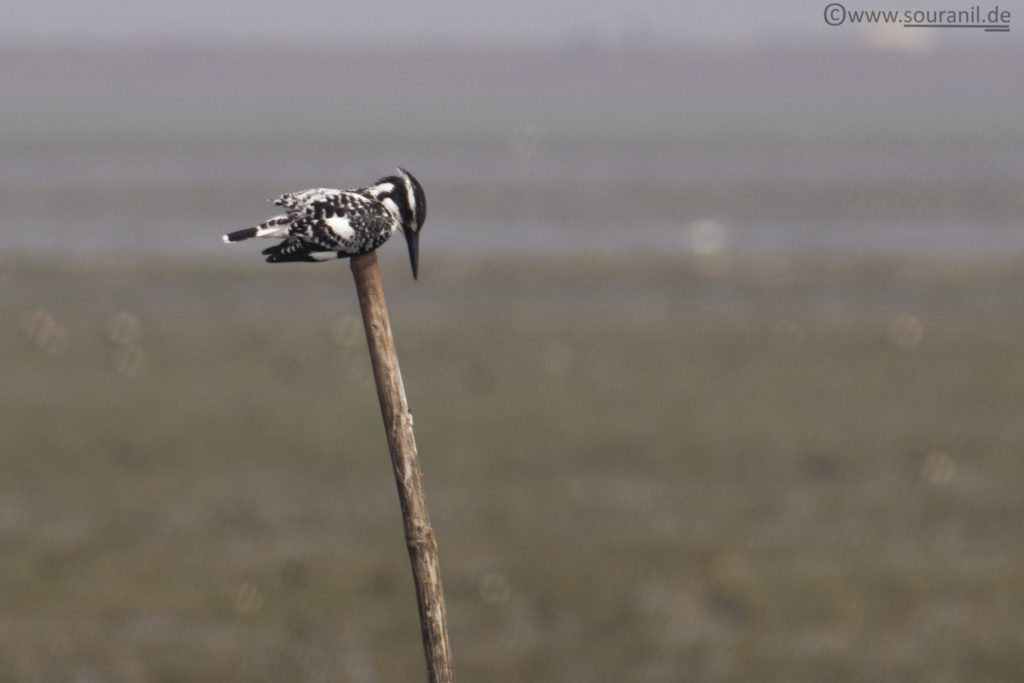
716	353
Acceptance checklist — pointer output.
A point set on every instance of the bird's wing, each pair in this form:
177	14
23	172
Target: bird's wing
296	202
345	221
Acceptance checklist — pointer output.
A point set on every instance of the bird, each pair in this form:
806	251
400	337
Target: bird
321	224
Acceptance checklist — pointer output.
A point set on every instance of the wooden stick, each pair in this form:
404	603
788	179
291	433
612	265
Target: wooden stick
419	537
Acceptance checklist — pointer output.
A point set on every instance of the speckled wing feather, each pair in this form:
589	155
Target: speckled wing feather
326	223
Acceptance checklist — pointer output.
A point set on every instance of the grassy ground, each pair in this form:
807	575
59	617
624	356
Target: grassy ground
638	470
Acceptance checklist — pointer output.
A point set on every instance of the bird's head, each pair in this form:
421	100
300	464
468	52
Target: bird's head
403	195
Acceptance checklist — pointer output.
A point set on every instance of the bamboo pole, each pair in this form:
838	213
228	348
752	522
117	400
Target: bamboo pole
419	537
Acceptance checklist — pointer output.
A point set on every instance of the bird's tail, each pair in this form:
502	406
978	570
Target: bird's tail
275	227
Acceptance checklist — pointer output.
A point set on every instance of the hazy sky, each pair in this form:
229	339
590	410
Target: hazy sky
703	21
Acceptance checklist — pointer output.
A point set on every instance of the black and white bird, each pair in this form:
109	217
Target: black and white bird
321	224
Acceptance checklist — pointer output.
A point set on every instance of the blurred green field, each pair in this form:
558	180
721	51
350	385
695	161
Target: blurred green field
637	469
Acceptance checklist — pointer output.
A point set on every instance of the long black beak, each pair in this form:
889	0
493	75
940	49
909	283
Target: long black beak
412	238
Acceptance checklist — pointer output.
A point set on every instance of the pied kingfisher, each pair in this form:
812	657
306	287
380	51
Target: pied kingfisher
321	224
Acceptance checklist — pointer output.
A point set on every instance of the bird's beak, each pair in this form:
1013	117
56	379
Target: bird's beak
412	238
